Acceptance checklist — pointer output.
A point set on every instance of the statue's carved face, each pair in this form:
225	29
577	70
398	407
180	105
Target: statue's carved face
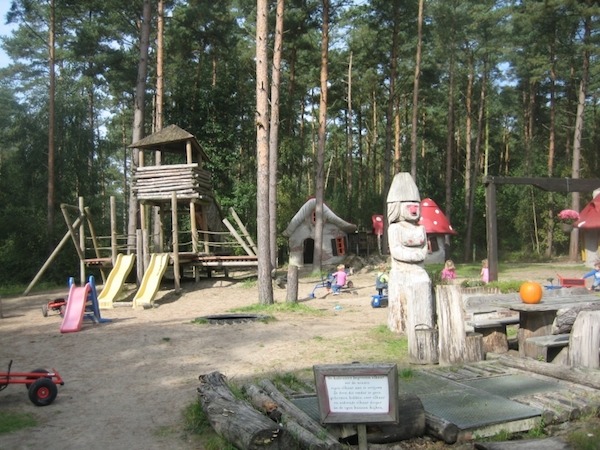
411	211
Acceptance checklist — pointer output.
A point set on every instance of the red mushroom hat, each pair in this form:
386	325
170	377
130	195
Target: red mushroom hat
433	219
589	217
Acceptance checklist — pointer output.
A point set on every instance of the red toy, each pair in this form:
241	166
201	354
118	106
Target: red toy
57	305
40	383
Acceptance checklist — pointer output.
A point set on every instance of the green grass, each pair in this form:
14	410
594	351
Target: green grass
196	424
11	421
18	289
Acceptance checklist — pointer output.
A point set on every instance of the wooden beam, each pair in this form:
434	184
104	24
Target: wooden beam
550	184
546	184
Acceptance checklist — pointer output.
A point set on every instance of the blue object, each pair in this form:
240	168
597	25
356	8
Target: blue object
379	301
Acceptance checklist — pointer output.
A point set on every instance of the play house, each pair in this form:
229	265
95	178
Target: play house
589	224
301	235
437	227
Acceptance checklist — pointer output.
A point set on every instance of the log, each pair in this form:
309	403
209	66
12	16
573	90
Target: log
584	343
441	428
261	401
427	344
236	421
585	377
565	318
553	443
297	415
451	325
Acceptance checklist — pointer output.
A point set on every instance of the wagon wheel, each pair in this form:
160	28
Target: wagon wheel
27	385
42	392
45	310
62	310
350	284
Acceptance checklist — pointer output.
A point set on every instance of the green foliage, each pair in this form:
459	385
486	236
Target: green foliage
12	421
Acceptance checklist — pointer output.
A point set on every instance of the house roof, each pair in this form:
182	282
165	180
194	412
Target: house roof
170	139
433	219
328	216
589	217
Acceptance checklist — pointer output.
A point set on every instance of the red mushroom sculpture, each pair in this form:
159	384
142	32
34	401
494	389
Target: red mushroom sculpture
437	226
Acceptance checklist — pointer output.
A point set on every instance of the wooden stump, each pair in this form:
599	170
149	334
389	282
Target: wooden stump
236	421
584	343
474	347
292	284
451	325
426	344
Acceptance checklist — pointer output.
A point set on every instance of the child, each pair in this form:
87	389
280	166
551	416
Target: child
448	272
596	274
339	278
485	272
381	280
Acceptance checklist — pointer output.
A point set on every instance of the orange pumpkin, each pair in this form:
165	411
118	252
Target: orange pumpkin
531	292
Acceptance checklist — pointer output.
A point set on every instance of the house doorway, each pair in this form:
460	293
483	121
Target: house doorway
309	250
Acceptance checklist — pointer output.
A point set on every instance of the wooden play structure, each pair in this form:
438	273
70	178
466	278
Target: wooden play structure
174	194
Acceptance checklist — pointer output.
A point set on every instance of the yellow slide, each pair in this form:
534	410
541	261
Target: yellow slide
115	281
151	282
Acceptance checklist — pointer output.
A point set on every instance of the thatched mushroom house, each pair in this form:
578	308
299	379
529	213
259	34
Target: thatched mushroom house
301	235
437	227
589	224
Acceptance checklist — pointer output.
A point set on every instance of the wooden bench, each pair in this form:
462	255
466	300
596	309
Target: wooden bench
550	345
486	315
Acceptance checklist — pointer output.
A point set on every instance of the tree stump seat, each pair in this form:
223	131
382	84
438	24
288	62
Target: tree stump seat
493	331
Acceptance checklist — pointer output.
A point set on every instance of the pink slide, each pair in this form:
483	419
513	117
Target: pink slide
75	308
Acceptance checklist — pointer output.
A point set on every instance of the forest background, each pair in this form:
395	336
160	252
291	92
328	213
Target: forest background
448	90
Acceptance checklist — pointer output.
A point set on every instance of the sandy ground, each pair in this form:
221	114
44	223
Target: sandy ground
127	382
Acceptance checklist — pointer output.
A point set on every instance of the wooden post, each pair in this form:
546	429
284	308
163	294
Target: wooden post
244	230
491	229
139	250
176	275
50	259
584	343
292	284
113	230
82	242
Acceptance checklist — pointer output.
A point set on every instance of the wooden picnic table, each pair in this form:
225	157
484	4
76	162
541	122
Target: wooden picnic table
535	321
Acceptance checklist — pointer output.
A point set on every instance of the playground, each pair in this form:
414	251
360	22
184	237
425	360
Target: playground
128	381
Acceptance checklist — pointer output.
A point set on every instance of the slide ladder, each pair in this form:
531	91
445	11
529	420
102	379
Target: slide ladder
151	281
82	302
116	280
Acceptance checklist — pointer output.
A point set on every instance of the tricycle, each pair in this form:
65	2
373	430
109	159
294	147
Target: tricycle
40	383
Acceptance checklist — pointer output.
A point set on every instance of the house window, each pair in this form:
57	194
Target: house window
338	246
432	244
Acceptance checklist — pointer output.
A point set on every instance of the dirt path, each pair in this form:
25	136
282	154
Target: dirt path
128	381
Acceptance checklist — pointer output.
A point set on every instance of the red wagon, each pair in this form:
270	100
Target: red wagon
571	282
41	384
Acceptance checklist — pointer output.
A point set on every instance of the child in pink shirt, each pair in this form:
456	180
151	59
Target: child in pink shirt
339	278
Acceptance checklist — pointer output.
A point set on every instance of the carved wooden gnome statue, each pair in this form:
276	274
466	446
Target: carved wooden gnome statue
410	308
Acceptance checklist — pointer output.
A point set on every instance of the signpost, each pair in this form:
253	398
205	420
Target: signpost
357	394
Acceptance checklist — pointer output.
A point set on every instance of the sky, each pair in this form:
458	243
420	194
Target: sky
4	30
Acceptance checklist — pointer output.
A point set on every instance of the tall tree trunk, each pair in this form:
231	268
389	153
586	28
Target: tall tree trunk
158	122
274	131
551	153
51	122
578	135
349	141
320	160
138	116
449	145
415	112
265	285
476	162
468	152
387	156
